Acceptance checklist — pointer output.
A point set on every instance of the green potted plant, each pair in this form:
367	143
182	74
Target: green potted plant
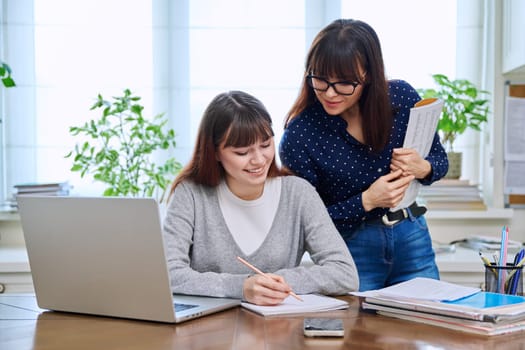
5	75
464	108
119	148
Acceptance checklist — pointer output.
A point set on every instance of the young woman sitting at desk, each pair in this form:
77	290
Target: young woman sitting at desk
232	200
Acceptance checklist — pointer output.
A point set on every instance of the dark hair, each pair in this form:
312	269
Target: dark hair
340	50
235	118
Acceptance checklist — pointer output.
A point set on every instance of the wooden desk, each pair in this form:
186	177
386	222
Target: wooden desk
24	326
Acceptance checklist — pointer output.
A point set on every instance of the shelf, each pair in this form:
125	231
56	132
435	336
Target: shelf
15	273
5	216
8	214
490	214
13	259
461	260
462	266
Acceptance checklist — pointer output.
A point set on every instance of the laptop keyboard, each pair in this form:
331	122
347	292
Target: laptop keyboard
181	307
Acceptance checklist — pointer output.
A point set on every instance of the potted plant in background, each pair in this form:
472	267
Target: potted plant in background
5	75
120	146
464	107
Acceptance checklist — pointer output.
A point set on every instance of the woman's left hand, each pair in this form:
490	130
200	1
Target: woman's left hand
410	162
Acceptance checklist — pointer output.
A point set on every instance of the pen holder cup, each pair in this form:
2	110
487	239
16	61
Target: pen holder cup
504	279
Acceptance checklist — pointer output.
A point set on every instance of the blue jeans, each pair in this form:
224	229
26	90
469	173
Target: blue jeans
386	255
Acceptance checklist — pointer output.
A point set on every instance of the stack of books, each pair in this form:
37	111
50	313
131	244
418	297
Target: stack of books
466	309
451	194
40	189
43	189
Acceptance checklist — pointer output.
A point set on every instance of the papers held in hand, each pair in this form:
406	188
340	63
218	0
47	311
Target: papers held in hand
421	129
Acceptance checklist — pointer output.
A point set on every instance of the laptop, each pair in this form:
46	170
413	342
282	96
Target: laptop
104	256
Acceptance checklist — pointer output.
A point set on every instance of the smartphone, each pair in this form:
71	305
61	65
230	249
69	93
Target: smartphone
323	327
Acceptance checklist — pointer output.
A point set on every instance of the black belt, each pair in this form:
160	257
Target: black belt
393	217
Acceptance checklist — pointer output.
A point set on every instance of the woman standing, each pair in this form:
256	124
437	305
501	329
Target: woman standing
344	134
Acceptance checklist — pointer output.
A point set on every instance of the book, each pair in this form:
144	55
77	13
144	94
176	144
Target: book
447	299
502	308
311	303
451	194
474	327
454	205
487	300
451	182
38	188
453	197
427	315
44	193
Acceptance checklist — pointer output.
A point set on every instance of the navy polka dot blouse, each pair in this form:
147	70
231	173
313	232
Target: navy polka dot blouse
317	147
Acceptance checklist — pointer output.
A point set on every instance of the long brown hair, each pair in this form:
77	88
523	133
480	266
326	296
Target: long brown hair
235	118
340	50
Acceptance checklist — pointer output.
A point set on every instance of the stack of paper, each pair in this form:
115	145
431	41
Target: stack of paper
452	194
447	305
488	243
290	305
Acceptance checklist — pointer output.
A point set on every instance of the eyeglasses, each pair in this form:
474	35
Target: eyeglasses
346	88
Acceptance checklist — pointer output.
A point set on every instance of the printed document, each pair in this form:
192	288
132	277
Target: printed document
422	124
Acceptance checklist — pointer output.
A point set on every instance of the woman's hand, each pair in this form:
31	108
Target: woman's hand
387	191
261	290
410	162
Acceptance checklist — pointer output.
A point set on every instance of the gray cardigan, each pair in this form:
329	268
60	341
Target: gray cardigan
202	254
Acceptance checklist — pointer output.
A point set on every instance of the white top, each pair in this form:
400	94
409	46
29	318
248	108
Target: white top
249	221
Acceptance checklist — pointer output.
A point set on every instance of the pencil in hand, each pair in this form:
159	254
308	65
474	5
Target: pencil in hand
255	269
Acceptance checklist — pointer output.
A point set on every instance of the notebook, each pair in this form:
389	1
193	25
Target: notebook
291	306
104	256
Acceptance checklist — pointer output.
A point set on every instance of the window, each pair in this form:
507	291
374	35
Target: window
418	38
64	54
177	55
259	48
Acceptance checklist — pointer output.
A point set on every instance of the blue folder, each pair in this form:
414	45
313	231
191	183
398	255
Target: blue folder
483	300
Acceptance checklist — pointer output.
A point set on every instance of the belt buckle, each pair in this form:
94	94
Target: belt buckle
387	222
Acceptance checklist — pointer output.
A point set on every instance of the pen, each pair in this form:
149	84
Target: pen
520	264
503	258
263	274
513	281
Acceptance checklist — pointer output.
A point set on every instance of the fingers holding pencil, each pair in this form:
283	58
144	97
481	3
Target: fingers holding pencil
265	290
267	285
